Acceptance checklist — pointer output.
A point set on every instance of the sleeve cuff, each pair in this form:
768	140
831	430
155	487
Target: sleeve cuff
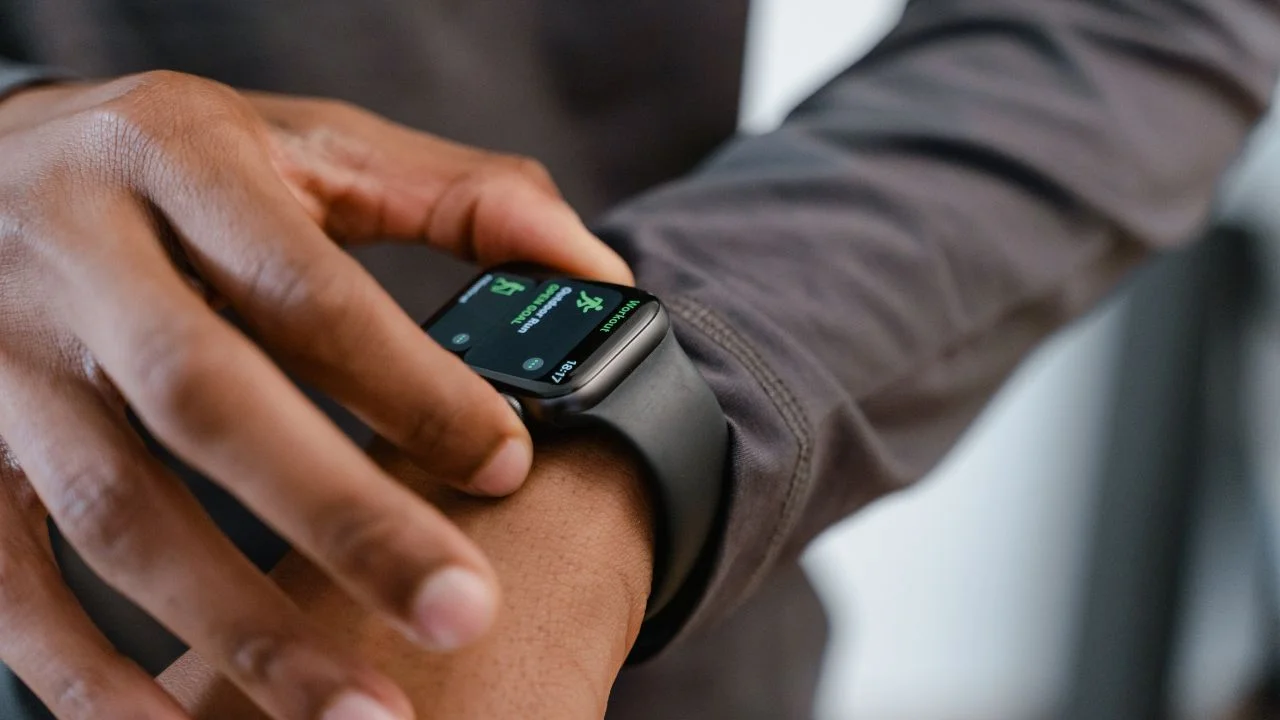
15	77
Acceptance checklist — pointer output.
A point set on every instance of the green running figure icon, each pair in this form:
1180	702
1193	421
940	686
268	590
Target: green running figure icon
505	287
588	303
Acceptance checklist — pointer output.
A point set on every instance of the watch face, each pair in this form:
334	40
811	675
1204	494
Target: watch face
539	335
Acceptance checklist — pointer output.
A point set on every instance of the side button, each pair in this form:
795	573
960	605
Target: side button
515	405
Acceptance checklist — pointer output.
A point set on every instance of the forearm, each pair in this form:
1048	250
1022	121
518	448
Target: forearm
857	284
573	553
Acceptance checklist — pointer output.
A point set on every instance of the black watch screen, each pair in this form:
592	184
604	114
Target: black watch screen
540	334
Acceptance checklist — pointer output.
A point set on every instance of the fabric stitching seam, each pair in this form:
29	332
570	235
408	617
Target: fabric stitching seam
788	407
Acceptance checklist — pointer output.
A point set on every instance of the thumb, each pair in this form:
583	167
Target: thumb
507	217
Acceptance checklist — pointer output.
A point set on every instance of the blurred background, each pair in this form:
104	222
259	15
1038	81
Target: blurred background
1100	545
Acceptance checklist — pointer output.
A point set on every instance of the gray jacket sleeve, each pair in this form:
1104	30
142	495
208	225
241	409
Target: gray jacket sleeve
857	284
15	76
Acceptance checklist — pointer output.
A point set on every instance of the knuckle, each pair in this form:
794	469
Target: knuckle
100	510
335	108
153	87
256	657
172	370
422	429
120	141
360	543
525	168
188	94
295	297
82	693
154	81
154	114
441	432
309	286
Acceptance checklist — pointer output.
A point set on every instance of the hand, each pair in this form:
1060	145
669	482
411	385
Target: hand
126	209
574	553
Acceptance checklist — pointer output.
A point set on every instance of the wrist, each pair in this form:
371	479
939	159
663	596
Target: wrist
573	552
579	535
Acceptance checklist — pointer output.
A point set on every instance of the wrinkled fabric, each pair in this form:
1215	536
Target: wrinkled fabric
857	284
854	286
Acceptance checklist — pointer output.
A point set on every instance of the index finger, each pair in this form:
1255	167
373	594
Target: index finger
502	215
364	178
329	322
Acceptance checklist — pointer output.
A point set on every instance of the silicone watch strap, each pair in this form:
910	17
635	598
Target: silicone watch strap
668	415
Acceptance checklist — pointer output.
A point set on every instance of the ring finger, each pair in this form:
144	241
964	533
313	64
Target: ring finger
145	535
47	640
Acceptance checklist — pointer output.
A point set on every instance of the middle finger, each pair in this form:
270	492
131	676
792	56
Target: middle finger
325	318
215	400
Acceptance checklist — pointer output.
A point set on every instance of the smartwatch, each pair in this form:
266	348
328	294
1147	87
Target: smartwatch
570	354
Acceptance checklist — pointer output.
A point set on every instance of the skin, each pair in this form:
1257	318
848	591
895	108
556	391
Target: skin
130	211
573	550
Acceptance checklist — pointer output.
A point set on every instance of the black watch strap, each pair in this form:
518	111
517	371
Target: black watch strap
667	413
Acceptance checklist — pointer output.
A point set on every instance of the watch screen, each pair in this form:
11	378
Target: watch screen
540	330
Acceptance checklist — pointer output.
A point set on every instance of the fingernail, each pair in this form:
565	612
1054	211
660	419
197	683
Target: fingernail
505	470
453	608
354	706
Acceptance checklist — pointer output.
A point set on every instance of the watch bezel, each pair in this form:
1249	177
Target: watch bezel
611	364
601	371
